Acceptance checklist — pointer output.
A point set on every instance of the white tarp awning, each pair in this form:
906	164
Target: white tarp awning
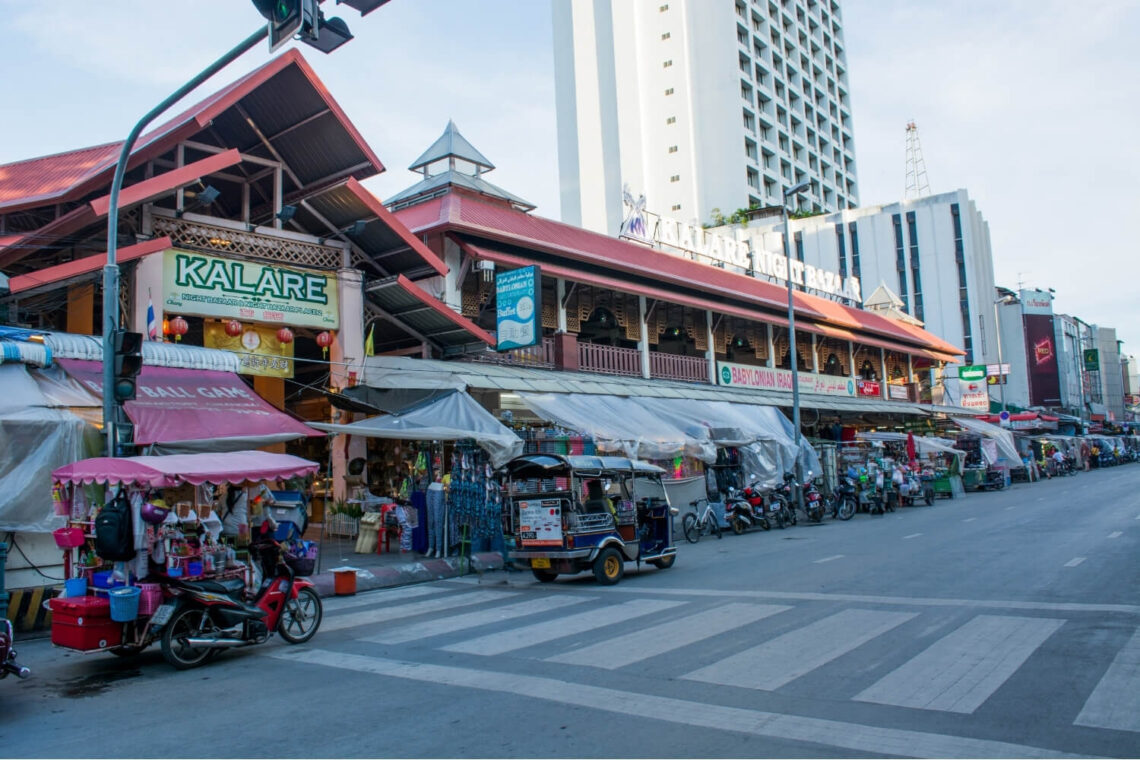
453	417
1003	438
922	443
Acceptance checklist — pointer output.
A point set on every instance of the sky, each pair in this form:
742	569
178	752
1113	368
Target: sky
1030	105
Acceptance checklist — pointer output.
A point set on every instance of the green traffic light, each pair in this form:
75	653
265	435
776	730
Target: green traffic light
282	10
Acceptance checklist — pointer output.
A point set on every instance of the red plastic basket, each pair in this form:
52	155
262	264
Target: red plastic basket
69	538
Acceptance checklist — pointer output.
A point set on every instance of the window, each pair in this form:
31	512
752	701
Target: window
841	242
856	271
666	36
963	291
671	120
675	178
799	246
667	64
672	148
753	178
915	276
676	207
900	263
663	8
749	122
669	91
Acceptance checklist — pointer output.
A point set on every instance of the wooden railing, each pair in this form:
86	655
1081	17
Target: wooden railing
609	359
694	369
540	355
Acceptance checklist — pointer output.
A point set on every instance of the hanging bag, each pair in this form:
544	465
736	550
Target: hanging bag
114	536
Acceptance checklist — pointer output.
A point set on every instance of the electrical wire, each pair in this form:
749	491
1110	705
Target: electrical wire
31	565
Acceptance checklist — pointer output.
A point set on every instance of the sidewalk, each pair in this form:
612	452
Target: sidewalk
394	568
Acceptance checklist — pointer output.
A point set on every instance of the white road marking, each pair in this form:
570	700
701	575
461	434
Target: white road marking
970	519
1009	508
1115	534
395	612
380	597
644	643
815	731
829	559
910	601
760	667
1138	517
464	621
961	670
1115	702
519	638
912	535
1075	561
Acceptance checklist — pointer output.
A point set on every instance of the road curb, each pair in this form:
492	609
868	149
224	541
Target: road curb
422	571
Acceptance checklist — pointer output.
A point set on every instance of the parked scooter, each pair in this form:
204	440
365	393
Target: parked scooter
741	516
8	654
846	499
206	617
753	498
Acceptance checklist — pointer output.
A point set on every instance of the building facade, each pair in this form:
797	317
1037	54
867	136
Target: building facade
700	107
933	254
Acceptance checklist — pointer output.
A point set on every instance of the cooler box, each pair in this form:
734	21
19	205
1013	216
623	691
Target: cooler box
84	623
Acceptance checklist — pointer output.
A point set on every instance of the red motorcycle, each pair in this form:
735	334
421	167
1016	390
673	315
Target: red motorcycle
205	617
8	654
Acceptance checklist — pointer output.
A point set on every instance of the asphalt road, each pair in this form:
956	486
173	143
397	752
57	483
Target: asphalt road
1002	624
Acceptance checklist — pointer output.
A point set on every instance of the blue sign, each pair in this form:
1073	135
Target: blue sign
518	305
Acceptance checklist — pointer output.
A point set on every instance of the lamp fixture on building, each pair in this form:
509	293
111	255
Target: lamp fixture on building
286	213
487	267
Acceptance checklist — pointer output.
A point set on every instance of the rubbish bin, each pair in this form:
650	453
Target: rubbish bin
344	581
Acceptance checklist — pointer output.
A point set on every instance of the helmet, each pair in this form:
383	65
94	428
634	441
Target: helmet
153	513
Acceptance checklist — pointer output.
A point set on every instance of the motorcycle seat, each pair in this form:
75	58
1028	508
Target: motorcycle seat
228	586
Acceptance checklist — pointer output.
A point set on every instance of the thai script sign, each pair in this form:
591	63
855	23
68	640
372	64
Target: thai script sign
213	286
540	522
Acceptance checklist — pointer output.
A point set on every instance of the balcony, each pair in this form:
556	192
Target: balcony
608	360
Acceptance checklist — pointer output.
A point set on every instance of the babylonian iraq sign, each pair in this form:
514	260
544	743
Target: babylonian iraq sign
214	286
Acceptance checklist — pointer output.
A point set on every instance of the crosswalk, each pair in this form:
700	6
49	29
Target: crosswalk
926	658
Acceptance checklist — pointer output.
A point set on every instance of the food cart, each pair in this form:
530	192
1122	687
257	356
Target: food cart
114	599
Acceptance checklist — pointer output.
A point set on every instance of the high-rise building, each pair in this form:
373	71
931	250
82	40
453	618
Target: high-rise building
700	106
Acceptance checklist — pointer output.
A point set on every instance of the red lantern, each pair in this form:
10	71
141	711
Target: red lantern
233	328
324	340
179	327
284	336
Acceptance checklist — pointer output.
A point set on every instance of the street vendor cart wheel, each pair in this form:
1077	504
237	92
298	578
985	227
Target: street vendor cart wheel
544	576
301	617
609	566
928	495
186	623
664	563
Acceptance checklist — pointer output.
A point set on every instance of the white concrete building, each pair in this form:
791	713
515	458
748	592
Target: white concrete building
700	105
933	253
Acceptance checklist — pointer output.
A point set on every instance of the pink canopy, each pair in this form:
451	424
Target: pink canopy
165	471
174	405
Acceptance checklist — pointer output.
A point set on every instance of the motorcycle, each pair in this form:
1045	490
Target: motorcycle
846	499
205	617
8	664
741	515
813	502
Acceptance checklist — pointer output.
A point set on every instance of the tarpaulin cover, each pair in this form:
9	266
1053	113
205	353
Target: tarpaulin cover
233	467
618	423
924	444
453	417
175	406
1004	439
34	440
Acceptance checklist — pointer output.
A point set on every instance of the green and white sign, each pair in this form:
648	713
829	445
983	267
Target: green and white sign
972	372
1092	360
213	286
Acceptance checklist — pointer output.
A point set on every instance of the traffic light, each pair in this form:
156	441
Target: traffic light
128	364
287	18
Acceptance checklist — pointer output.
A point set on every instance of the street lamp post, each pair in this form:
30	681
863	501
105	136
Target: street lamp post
792	192
997	329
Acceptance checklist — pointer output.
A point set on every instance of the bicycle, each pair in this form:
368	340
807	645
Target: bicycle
695	527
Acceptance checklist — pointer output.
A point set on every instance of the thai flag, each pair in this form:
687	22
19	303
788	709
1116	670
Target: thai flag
151	323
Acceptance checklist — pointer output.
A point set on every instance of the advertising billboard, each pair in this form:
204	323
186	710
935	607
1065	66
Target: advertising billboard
518	295
1041	361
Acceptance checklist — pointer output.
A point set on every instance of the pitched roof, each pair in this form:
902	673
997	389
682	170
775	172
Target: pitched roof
452	177
462	211
452	144
73	174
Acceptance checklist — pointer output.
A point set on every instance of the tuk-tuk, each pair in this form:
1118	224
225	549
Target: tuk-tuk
566	514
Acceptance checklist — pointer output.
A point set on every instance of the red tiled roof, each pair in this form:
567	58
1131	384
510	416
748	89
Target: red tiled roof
466	213
70	175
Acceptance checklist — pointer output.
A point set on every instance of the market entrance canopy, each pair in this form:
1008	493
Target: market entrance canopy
234	468
453	417
196	409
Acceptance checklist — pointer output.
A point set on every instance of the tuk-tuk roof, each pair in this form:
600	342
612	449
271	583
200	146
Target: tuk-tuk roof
549	462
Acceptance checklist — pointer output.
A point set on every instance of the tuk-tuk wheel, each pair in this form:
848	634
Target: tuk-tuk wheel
545	576
664	563
609	567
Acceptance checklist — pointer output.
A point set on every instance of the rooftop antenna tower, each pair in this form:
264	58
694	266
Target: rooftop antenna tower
917	185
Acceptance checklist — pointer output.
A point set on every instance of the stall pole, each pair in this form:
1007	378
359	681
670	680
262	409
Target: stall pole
111	269
3	588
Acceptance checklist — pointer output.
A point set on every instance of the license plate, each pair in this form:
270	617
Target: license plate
541	563
162	615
